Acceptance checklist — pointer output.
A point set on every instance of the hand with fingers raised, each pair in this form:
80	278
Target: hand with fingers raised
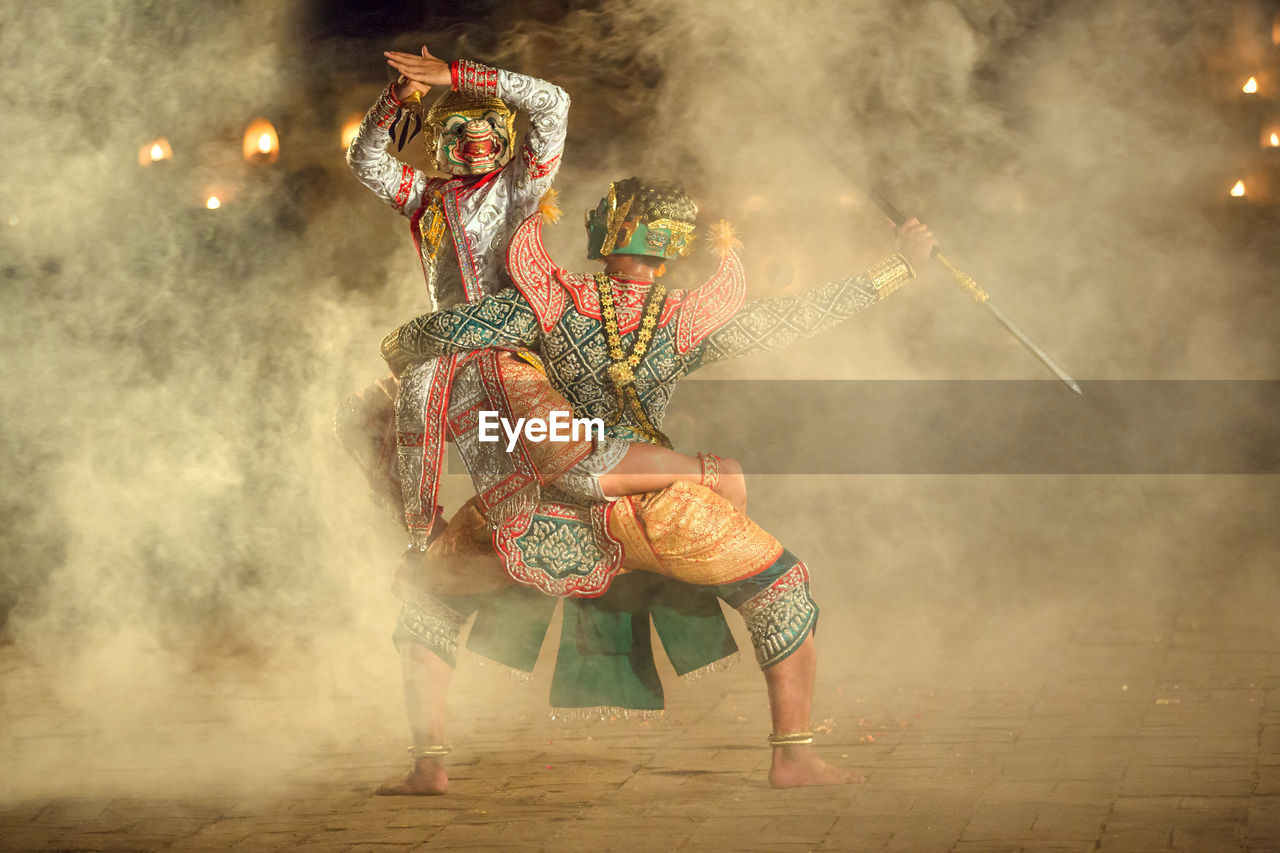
417	73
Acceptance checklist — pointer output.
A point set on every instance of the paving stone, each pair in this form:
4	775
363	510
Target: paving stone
969	755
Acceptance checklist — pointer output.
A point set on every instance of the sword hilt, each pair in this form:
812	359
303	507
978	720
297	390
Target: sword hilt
414	97
962	278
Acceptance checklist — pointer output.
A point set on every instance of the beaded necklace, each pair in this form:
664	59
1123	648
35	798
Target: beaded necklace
622	364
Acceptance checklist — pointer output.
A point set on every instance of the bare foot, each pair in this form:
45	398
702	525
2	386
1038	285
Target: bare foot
427	778
798	766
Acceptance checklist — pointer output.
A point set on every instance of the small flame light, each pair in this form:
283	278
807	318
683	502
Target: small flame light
1238	190
350	129
154	152
1274	141
213	203
1250	87
261	144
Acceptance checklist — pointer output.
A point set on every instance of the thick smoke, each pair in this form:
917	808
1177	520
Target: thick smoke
177	511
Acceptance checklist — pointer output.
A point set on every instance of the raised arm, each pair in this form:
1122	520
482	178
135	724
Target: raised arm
395	182
547	106
503	319
770	324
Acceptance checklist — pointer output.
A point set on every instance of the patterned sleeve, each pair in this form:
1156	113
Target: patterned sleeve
503	319
398	184
547	107
770	324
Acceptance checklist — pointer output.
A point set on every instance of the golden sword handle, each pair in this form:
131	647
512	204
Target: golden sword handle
414	97
962	278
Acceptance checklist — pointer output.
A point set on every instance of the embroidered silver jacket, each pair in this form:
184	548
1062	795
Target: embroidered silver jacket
462	225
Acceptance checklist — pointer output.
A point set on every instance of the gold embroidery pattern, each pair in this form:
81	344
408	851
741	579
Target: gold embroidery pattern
691	534
431	226
621	370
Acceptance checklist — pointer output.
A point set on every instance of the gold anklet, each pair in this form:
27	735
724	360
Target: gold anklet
434	751
793	739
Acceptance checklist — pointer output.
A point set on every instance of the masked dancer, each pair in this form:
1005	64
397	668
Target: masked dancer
615	344
460	227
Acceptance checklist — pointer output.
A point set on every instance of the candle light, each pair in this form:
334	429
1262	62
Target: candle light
154	152
1238	190
1275	140
350	129
213	203
261	144
1251	86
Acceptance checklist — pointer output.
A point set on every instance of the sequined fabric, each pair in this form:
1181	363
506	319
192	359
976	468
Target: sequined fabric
576	355
481	214
508	482
574	350
429	622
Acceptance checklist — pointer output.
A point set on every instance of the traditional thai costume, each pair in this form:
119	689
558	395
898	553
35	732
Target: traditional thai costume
616	348
460	227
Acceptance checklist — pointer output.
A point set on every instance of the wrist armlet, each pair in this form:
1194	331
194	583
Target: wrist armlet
888	275
472	78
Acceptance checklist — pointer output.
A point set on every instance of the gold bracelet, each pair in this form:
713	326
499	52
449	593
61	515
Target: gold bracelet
793	739
434	751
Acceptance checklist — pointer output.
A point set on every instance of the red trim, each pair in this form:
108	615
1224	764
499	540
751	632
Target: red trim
392	95
433	440
534	274
453	75
711	305
629	301
533	168
465	189
407	174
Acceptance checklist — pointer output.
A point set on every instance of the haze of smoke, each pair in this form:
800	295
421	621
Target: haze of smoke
173	493
173	496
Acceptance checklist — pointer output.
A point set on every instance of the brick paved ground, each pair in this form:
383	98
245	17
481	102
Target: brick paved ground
1111	718
1155	733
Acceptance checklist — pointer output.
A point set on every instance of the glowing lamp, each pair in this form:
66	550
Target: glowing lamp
1250	87
1238	190
261	143
1274	141
213	202
154	152
350	129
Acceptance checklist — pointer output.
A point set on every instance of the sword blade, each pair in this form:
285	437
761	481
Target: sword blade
1026	341
976	293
